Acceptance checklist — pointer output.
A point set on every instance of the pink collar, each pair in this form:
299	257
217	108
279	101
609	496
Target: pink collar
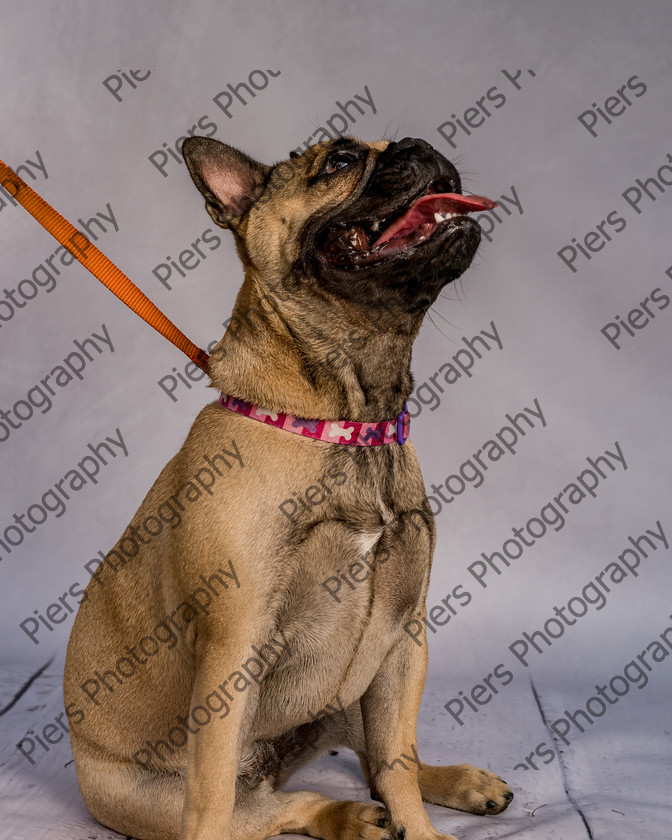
346	432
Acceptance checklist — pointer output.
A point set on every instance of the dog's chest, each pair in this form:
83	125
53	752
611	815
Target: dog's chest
352	589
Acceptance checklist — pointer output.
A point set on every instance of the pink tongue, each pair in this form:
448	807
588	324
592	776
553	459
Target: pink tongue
423	209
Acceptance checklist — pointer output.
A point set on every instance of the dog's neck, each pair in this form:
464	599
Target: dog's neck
314	364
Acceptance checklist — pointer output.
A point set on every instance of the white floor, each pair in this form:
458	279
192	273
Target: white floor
611	782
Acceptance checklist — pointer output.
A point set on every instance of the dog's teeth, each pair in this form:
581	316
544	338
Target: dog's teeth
375	227
442	217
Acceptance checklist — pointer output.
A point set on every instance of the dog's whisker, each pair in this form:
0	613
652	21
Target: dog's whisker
390	137
433	322
443	318
448	337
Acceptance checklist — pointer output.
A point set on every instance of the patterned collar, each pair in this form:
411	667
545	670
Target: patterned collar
345	432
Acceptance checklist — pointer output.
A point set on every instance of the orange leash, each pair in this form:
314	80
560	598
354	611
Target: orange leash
97	263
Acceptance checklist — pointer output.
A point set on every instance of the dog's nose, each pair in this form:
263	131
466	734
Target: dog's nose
400	145
413	147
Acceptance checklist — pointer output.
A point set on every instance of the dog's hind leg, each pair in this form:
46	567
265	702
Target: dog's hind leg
143	804
147	805
265	812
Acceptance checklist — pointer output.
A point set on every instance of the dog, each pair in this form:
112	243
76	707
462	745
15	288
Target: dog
251	616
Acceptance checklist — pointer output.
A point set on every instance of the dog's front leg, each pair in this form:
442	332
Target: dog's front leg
390	710
214	750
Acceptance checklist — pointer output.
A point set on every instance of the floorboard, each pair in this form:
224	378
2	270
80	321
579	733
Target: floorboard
612	781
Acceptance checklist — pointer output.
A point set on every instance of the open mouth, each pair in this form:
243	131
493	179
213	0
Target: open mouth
363	243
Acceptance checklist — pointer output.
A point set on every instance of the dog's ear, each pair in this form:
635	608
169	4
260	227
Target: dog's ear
229	180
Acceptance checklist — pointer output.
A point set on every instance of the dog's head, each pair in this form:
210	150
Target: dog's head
345	247
370	223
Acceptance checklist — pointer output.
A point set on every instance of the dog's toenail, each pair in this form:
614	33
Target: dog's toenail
490	804
508	796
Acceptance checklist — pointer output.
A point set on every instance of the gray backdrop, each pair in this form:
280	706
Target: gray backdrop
558	111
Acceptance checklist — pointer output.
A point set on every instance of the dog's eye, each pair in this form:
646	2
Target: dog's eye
337	160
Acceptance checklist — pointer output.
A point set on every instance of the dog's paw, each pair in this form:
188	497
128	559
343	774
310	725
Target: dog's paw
464	788
356	820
